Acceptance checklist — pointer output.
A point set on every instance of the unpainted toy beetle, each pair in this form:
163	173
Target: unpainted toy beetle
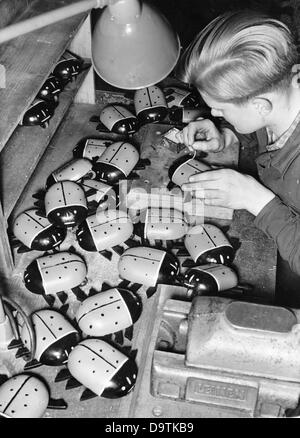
104	230
182	97
148	266
184	167
109	312
99	195
73	170
210	279
116	163
158	224
186	115
208	244
90	148
38	114
65	204
50	89
103	369
117	119
26	396
150	104
53	274
68	67
36	232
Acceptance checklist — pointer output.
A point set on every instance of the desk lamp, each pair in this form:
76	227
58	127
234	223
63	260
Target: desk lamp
133	45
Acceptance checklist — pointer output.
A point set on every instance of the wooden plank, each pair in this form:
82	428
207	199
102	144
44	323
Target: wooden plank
27	61
26	146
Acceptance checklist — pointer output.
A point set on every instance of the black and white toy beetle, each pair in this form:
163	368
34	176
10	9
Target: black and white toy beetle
117	119
38	114
90	148
209	279
68	68
53	274
100	196
50	89
183	115
102	369
65	204
184	167
148	266
73	170
104	230
26	396
35	232
150	105
182	97
109	312
208	244
161	224
116	163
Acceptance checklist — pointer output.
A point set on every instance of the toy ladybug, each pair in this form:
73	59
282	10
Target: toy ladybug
184	167
182	97
208	244
102	369
53	274
65	204
148	266
50	89
108	312
117	119
69	67
150	105
38	114
183	115
35	232
90	148
100	196
55	338
73	170
116	163
104	230
26	396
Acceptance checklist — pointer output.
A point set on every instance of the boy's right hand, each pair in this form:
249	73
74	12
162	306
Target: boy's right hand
202	135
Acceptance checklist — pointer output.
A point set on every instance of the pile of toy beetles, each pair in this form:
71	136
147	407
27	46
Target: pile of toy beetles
82	195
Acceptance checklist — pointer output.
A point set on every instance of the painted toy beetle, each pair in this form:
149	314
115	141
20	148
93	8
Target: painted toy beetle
53	274
38	114
210	279
148	266
102	369
99	195
36	232
182	97
184	167
116	163
105	230
50	89
90	148
150	105
161	224
55	338
68	67
208	244
109	312
65	204
186	115
26	396
117	119
73	170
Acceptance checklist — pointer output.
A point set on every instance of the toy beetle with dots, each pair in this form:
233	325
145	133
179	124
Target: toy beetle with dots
73	170
53	274
26	396
55	338
117	119
148	266
150	105
105	230
108	312
182	97
184	167
35	232
104	370
90	148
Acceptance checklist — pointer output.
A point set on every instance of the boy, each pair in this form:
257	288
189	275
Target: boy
244	66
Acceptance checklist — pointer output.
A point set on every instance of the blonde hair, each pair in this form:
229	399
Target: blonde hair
240	55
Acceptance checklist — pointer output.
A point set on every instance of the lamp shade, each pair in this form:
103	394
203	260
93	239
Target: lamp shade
133	45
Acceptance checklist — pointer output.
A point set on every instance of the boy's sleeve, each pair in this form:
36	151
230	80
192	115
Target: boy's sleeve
282	224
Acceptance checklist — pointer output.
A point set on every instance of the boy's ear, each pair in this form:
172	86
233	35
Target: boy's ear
264	106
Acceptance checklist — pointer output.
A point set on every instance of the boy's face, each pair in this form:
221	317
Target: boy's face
244	118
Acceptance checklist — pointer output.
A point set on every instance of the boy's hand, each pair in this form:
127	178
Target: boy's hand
228	188
202	135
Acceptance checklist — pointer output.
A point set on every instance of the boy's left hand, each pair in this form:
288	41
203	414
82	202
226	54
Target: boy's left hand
229	188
